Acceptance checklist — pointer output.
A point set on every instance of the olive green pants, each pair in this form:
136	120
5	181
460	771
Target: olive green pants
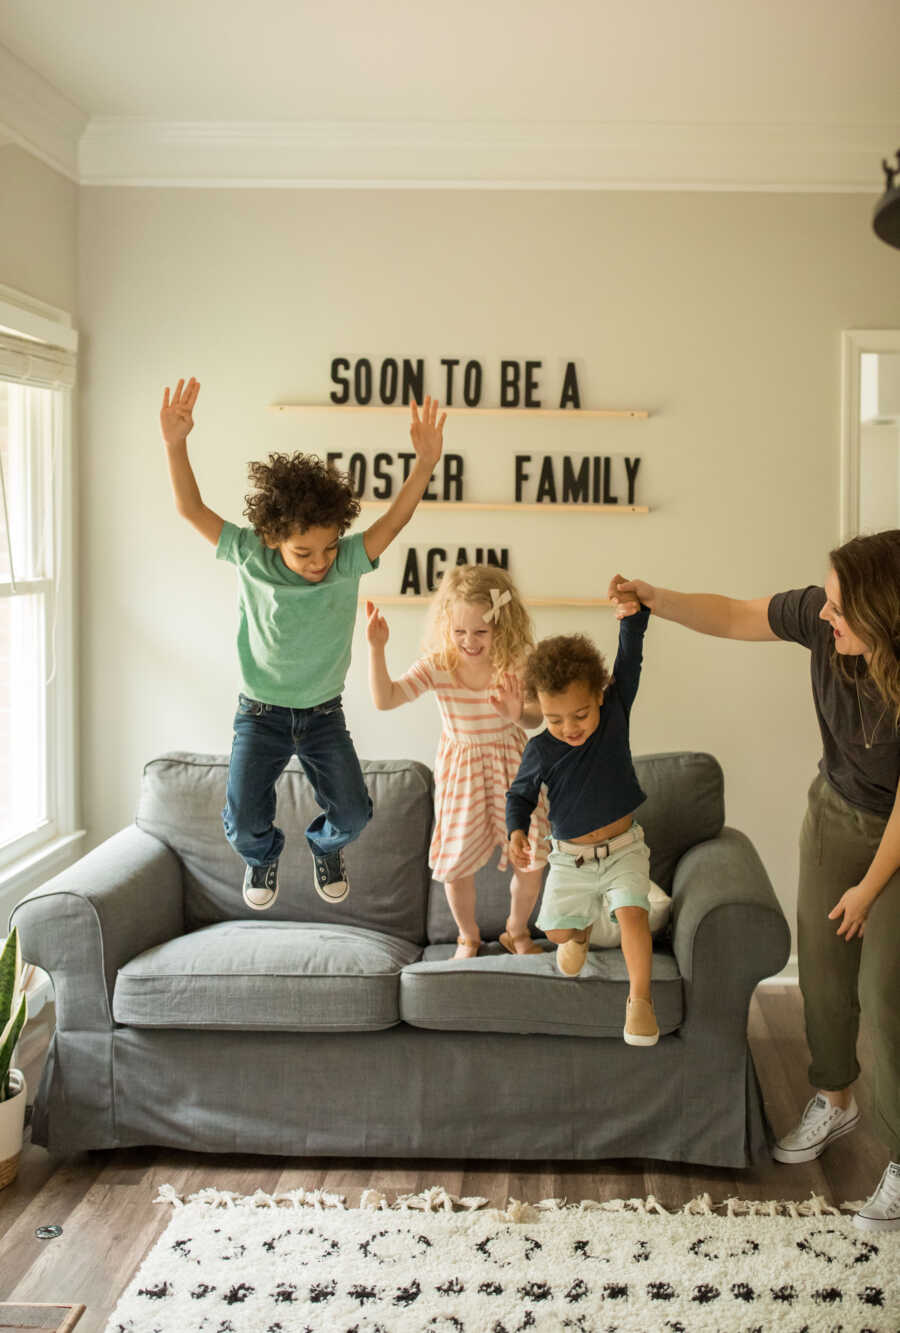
837	976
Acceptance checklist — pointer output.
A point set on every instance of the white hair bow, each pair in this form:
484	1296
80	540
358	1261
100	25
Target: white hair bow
498	599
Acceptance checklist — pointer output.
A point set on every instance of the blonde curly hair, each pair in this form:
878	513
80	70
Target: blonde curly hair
513	636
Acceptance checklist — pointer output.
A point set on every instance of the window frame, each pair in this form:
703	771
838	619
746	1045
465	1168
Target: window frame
27	860
854	344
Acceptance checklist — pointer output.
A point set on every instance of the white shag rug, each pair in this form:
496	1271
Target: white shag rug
433	1263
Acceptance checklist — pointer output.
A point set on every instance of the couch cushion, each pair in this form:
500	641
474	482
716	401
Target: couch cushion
685	805
497	992
267	975
181	802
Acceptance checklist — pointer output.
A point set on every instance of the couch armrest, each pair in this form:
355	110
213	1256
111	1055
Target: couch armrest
81	926
728	929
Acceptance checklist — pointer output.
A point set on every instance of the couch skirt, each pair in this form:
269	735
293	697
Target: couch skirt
403	1092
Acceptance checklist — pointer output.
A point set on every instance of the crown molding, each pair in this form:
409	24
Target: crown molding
37	117
433	155
480	155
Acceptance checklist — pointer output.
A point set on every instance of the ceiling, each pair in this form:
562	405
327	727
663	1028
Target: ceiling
577	75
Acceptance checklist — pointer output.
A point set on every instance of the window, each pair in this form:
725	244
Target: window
37	789
870	433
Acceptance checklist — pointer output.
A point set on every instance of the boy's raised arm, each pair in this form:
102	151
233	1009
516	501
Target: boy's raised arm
176	423
630	654
427	435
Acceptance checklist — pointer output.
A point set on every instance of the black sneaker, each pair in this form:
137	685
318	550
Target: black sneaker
331	879
261	886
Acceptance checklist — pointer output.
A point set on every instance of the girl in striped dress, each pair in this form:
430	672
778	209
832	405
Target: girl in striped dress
480	635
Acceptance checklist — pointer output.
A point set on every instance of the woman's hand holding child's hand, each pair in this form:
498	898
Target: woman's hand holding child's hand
507	697
520	850
627	595
427	431
377	631
175	418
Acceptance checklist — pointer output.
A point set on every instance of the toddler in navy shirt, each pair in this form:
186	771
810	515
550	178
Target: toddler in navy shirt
599	860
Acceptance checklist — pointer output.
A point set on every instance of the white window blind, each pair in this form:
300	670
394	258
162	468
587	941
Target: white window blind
37	364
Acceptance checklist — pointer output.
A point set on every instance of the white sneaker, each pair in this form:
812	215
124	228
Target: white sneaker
260	886
330	876
882	1211
820	1124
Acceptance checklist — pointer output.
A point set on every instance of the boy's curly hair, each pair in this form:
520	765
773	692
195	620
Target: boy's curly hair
557	663
298	491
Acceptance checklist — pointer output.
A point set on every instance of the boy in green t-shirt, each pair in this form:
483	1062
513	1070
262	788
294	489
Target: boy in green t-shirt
298	579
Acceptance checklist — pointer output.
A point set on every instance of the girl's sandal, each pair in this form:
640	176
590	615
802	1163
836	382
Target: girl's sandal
462	942
509	940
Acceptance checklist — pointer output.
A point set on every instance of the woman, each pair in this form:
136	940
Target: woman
849	893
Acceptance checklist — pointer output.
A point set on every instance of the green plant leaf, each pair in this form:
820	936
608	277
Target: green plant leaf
8	1038
10	973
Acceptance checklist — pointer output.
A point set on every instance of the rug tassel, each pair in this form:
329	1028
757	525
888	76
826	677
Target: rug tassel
436	1199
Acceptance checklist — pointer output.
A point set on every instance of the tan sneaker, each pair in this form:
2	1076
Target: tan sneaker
570	957
640	1023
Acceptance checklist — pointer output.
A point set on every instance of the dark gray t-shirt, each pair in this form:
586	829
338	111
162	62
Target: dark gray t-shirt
867	778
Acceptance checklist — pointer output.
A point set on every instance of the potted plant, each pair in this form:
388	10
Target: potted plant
13	1010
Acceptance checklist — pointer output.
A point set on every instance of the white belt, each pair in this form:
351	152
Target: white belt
596	851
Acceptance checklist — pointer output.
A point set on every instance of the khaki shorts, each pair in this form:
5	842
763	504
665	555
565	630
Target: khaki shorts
574	896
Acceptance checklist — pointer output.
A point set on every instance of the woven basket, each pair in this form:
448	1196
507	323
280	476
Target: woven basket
9	1170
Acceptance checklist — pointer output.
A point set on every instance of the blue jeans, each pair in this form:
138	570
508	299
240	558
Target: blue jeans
265	737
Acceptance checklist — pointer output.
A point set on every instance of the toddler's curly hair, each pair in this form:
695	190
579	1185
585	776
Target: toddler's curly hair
559	662
513	637
298	491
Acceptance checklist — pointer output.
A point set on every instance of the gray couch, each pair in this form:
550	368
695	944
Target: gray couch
185	1019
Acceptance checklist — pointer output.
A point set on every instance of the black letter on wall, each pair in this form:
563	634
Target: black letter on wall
410	581
414	381
383	486
631	471
453	477
434	575
362	380
356	469
531	384
521	475
340	363
547	483
509	384
570	392
449	362
576	486
387	381
472	384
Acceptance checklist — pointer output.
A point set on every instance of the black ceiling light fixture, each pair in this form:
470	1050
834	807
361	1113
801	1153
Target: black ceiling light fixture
886	219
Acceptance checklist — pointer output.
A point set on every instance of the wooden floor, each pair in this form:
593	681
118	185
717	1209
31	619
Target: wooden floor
104	1200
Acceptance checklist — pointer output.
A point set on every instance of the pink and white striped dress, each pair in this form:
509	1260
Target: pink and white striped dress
478	756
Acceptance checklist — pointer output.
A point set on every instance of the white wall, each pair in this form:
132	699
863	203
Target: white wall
719	312
38	237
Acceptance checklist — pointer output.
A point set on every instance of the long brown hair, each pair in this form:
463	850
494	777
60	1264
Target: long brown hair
868	570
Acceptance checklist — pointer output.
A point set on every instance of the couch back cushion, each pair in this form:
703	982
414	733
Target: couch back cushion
685	805
181	802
